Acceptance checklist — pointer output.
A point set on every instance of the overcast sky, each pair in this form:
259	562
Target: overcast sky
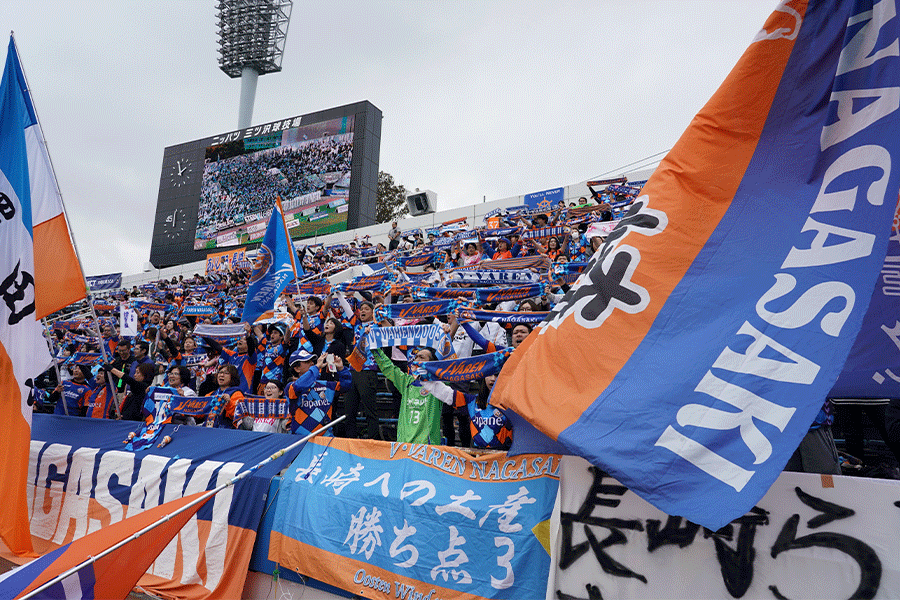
480	98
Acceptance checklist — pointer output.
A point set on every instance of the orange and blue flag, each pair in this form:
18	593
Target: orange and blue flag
110	576
23	351
694	352
58	277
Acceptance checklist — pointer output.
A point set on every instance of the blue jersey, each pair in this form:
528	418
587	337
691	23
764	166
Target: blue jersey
311	400
74	395
490	427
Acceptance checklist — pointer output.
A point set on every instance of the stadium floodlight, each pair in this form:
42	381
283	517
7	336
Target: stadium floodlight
251	43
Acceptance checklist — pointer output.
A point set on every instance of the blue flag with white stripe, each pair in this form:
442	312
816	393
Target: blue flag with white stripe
272	268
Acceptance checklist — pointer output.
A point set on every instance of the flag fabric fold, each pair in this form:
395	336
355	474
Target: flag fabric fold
272	268
58	278
692	355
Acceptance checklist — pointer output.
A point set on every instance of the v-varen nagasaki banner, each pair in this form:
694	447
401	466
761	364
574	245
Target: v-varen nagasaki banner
698	351
414	521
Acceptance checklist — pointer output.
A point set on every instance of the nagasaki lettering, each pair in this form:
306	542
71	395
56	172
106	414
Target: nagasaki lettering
832	244
495	470
60	514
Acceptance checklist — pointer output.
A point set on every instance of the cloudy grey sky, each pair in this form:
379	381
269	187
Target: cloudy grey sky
480	98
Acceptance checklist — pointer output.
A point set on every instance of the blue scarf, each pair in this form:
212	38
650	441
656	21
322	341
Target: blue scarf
420	259
496	276
492	295
428	336
198	310
464	369
420	310
440	293
319	287
363	283
259	407
501	316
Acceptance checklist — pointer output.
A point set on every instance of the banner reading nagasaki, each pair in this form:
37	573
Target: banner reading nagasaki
698	351
82	480
810	536
414	521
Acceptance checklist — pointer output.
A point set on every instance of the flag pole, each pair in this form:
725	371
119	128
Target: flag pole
59	380
287	235
200	500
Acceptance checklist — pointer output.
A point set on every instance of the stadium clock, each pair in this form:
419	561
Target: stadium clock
179	172
174	225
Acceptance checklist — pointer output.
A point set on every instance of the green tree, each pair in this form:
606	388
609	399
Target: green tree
391	203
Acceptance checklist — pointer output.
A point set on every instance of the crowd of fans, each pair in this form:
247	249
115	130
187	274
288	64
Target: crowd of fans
311	353
237	187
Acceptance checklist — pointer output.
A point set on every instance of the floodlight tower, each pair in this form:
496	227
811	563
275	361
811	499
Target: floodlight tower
251	43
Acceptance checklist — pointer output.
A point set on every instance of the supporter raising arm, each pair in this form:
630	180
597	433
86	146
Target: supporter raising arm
419	421
69	396
490	427
519	333
243	357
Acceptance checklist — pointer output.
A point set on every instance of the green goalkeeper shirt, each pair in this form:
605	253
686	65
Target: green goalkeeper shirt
419	421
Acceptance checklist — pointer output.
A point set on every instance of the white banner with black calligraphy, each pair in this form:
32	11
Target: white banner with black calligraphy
810	536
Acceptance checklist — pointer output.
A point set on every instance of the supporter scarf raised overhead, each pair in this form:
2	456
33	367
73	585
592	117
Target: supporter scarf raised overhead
501	232
417	277
464	369
570	267
399	288
272	269
198	310
148	307
364	283
421	259
494	295
543	233
623	190
541	263
227	334
490	214
441	293
88	359
500	316
568	272
71	325
319	287
495	277
710	326
428	336
416	310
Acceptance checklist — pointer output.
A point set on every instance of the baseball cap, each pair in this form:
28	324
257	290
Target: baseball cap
301	355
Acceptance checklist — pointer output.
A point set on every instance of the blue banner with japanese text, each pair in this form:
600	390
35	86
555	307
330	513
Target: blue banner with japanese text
413	520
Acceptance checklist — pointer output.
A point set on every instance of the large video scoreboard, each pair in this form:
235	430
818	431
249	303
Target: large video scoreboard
218	192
